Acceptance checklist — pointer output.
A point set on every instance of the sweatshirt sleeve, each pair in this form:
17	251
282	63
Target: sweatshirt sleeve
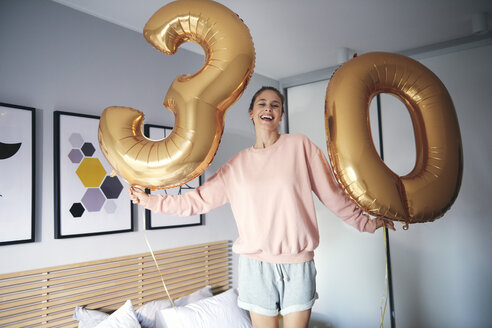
203	199
332	196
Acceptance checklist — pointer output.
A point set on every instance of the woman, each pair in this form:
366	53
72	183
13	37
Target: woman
269	187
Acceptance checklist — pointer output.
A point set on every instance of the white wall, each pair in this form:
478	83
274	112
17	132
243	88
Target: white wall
350	264
441	270
55	58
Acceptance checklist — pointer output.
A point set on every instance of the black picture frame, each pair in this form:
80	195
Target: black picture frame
17	174
162	221
88	201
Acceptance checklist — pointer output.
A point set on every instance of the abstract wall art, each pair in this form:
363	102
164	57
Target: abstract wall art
88	199
17	174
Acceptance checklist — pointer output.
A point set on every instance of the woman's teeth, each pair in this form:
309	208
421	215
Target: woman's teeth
266	117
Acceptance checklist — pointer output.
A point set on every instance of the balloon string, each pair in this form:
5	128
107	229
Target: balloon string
159	270
384	301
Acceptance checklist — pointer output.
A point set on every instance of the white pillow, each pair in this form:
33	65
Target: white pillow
213	312
124	317
146	313
88	318
194	297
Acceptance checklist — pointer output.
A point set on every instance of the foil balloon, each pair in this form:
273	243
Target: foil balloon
198	101
429	190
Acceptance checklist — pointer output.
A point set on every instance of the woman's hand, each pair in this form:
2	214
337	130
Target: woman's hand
382	222
138	196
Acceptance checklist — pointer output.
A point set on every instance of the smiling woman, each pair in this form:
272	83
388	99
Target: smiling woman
266	106
270	188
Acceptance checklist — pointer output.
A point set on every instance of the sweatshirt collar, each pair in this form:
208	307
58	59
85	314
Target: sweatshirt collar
269	148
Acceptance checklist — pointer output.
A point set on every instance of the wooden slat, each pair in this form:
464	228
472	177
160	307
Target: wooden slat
47	297
141	259
114	259
113	279
48	279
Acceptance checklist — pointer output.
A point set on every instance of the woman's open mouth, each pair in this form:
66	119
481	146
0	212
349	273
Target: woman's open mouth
266	117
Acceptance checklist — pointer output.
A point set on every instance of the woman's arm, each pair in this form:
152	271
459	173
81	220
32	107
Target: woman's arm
203	199
332	196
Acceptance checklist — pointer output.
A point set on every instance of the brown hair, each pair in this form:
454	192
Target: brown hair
281	96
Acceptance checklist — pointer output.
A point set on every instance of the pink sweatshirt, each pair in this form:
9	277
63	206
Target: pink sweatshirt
270	192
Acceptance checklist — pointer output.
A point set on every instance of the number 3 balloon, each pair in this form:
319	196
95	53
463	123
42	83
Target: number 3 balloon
198	101
429	190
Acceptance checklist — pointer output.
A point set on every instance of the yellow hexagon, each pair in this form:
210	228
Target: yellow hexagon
91	172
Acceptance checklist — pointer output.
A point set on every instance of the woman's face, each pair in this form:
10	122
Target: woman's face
267	110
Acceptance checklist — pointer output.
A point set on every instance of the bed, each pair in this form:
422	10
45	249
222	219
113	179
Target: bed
47	297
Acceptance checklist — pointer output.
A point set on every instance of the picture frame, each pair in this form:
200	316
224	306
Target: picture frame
163	221
17	174
88	200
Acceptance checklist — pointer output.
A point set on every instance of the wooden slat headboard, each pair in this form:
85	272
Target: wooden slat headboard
47	297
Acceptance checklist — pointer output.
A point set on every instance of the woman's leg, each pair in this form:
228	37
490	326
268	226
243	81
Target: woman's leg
297	319
263	321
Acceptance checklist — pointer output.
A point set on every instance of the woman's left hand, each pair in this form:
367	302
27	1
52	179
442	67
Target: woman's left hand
382	222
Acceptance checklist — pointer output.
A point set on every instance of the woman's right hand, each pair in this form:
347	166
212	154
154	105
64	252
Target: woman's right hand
383	222
138	196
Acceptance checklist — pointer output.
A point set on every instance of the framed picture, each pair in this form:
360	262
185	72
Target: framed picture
17	174
162	221
88	200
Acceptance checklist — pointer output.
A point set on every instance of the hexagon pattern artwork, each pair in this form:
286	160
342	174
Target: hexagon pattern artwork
77	210
93	199
110	206
91	172
102	189
75	155
111	187
76	140
88	149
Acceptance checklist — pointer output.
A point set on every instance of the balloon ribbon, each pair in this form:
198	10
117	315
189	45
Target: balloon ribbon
159	270
384	301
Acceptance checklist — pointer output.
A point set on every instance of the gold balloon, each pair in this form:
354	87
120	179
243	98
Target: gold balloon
429	190
198	101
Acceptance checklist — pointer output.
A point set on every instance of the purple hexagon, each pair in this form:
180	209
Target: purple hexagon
110	206
88	149
76	140
111	187
75	156
93	199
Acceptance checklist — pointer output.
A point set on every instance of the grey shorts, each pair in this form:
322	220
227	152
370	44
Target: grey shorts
269	288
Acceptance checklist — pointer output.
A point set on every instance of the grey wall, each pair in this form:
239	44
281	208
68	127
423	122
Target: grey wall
441	270
55	58
350	264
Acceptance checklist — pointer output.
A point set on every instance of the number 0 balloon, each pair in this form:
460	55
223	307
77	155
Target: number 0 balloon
198	101
430	189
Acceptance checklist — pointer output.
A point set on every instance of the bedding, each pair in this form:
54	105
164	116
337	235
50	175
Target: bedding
88	318
146	313
220	311
126	317
47	297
